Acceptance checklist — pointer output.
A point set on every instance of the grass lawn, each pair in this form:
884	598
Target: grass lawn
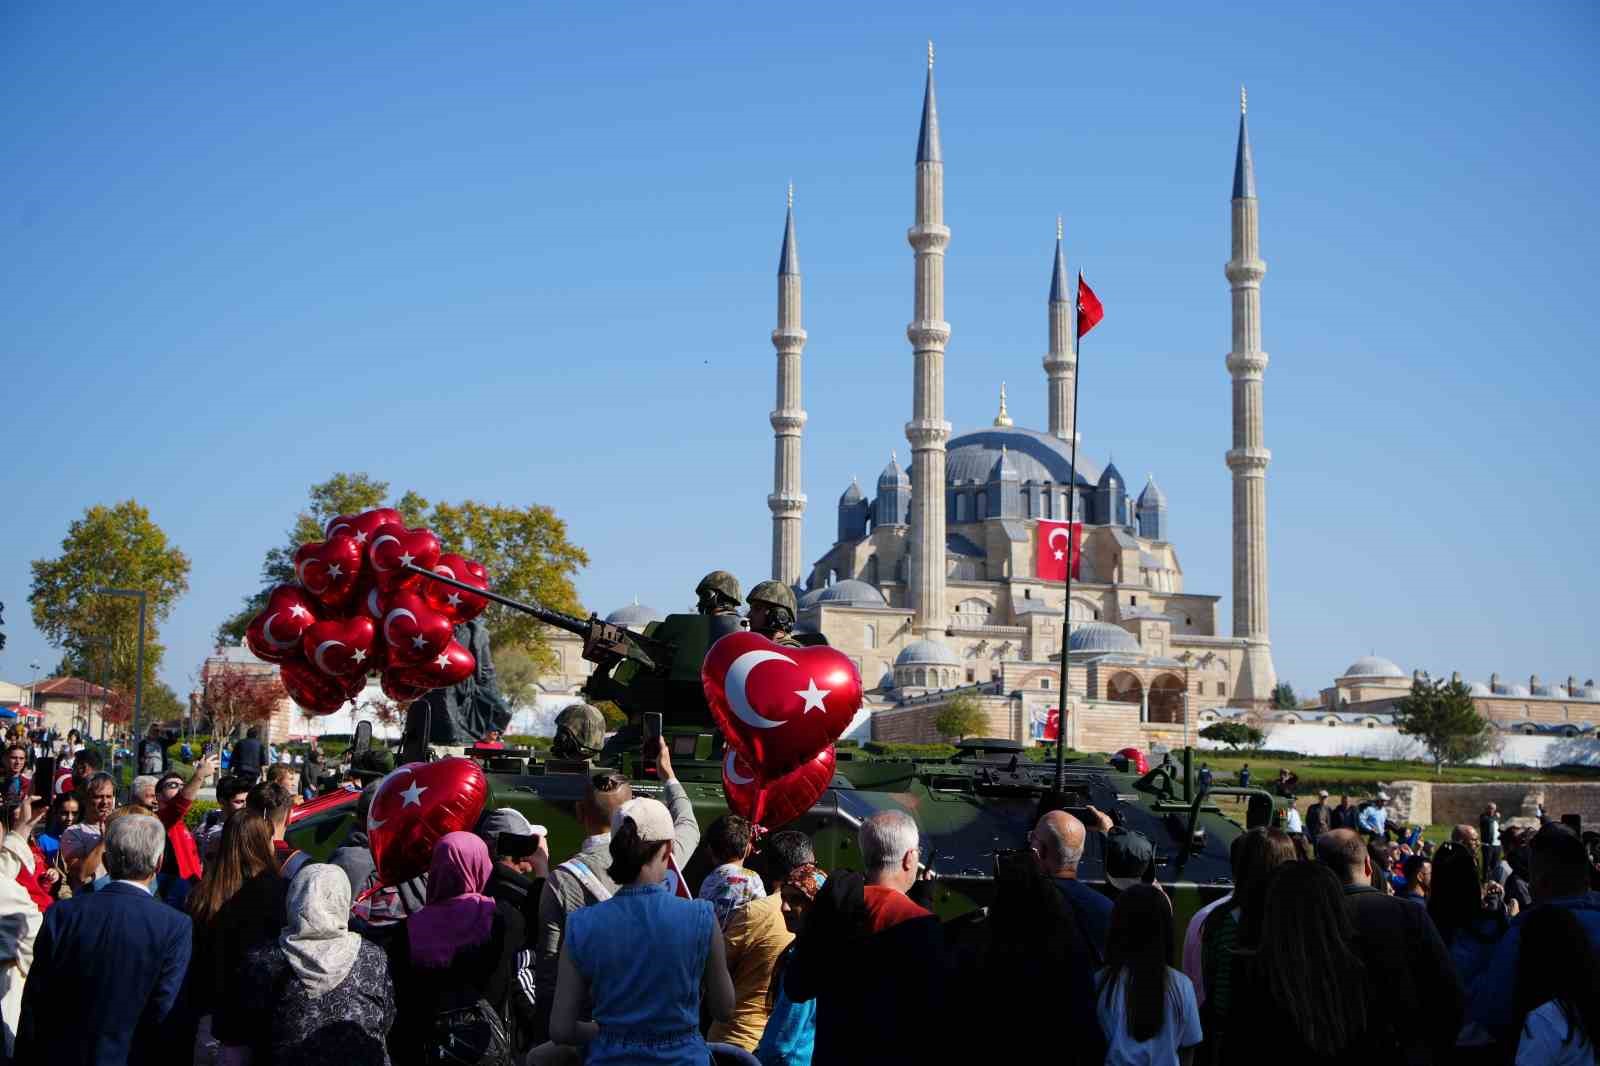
1361	777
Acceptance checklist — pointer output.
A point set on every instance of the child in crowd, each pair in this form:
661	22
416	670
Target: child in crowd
730	886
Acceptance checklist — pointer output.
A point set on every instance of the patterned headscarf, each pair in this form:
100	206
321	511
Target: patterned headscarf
806	879
729	887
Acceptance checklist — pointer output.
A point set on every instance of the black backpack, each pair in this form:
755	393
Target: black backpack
472	1035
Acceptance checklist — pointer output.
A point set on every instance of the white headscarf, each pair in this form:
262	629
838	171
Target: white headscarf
318	942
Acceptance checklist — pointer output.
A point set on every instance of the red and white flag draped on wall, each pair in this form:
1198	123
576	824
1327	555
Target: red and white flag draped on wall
1060	548
1052	725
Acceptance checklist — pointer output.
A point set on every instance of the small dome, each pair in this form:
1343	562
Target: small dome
634	616
852	494
887	680
892	474
1101	637
1547	690
1373	666
1111	473
1518	690
1152	496
807	599
926	651
850	593
1478	688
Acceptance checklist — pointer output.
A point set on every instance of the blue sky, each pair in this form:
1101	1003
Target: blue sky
526	253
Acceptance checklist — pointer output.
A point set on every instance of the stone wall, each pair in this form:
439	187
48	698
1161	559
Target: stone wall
1427	802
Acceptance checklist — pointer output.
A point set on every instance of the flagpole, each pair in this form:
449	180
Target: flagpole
1074	551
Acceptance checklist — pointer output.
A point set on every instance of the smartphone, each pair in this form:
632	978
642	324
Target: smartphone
652	741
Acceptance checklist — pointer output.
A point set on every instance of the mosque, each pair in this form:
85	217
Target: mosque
931	585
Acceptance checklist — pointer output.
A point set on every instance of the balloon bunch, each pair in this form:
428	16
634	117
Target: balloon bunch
355	611
780	710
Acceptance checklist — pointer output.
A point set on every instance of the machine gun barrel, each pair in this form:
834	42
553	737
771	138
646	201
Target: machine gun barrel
603	642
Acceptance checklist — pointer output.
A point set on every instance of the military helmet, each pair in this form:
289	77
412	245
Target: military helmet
774	593
580	732
722	582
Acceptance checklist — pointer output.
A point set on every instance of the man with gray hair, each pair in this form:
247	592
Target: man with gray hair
119	949
874	961
143	792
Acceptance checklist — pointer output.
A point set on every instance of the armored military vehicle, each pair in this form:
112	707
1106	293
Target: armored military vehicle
971	807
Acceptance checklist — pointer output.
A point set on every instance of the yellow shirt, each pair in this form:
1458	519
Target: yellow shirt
756	936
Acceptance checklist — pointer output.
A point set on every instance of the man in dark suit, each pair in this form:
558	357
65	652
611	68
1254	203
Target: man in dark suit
249	756
1403	954
107	966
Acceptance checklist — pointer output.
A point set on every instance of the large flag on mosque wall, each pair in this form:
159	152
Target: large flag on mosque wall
1060	548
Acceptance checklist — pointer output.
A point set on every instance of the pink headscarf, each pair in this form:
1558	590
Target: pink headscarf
458	914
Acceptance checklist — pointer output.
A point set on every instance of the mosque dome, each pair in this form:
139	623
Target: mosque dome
1101	637
852	494
1152	496
919	652
892	475
887	680
1478	688
634	616
1373	666
1035	457
847	593
1518	690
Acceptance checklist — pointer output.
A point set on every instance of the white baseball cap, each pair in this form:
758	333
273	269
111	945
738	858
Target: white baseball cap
1383	795
650	818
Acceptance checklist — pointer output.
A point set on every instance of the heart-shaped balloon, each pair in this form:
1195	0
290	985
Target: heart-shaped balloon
368	597
778	707
329	569
360	526
779	802
450	601
397	689
274	634
353	684
415	806
413	631
341	645
451	666
393	546
311	688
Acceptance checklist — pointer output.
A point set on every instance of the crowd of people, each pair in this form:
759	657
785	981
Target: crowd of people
127	938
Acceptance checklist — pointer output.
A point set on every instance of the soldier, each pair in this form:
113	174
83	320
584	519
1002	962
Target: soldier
772	610
580	733
717	593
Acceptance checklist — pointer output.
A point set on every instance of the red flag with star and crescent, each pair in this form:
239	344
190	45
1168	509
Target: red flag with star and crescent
1060	549
1052	725
1090	311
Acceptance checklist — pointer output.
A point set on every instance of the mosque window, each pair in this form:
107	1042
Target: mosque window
922	677
983	506
1045	502
1044	682
961	507
1222	688
872	636
972	674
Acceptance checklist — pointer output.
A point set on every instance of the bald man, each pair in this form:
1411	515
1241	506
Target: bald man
1057	844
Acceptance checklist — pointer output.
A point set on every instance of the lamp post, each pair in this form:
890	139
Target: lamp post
138	683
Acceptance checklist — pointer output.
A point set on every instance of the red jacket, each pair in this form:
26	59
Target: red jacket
30	881
184	850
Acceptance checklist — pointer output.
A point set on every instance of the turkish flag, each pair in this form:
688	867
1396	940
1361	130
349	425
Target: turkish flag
1090	312
1060	547
1052	725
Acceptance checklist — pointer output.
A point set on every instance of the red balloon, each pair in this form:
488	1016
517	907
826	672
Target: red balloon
368	597
311	688
413	631
392	546
451	666
397	689
329	569
777	803
415	806
353	684
360	526
778	707
341	645
274	634
451	602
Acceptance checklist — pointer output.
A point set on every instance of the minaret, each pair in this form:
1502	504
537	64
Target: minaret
1060	362
787	502
928	332
1248	458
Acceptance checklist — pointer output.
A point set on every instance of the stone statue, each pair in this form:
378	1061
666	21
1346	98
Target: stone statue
463	713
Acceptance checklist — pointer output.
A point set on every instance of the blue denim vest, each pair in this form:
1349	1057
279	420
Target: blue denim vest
643	952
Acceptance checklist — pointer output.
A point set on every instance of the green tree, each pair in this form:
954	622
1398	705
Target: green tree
517	674
524	549
615	717
116	547
1283	697
1234	734
1443	717
961	716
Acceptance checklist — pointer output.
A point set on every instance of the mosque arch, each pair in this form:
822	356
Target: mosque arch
1082	610
1124	688
922	677
1166	699
982	510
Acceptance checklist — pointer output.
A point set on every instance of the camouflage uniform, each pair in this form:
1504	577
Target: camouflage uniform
777	600
580	732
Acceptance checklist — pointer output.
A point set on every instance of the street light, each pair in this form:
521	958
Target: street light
138	684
